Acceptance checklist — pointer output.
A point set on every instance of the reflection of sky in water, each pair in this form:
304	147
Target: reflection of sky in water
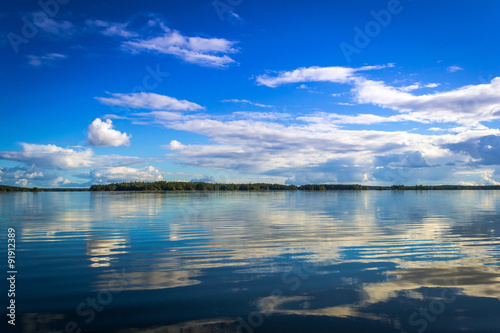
198	261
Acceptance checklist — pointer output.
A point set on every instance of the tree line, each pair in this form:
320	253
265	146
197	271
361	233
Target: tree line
200	186
187	186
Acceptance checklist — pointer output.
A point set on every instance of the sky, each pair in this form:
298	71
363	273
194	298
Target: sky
291	92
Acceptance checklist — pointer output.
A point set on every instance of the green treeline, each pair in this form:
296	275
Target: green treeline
5	188
186	186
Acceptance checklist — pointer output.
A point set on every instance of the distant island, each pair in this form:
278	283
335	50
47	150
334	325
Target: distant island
164	186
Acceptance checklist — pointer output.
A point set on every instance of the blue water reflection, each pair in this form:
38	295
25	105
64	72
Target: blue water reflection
257	262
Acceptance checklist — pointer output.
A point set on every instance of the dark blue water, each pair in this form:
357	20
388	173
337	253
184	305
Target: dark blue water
254	262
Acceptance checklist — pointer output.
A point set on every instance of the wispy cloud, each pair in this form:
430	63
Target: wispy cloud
418	85
453	69
60	29
149	101
47	59
209	52
110	29
336	74
467	105
246	101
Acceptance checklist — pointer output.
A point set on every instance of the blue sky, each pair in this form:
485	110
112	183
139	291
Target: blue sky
369	92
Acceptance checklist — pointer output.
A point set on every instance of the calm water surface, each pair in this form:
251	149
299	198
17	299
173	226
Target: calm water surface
255	262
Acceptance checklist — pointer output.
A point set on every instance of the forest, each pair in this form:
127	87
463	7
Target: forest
187	186
161	186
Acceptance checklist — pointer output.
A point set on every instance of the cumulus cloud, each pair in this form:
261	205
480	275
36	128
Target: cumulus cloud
50	165
175	145
125	174
210	52
310	148
47	59
32	176
60	181
483	150
150	101
102	134
21	176
51	156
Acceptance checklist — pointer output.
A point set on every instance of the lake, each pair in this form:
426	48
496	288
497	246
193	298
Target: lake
360	261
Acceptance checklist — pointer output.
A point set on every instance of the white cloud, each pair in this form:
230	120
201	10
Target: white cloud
418	85
102	134
210	52
60	181
150	101
47	59
246	101
110	29
311	148
334	74
125	174
432	85
487	177
453	69
22	182
437	129
56	29
260	115
21	176
410	87
50	156
467	105
49	165
175	145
